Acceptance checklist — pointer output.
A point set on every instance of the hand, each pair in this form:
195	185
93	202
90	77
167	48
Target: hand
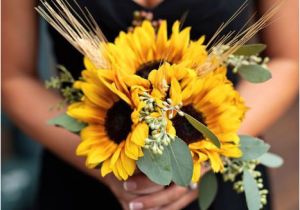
135	186
172	197
138	192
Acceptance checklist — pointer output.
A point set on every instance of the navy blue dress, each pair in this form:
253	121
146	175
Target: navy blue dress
63	187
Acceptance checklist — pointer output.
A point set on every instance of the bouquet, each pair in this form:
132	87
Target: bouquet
162	104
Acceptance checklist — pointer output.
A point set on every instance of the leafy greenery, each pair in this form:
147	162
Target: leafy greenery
252	147
250	49
67	122
64	83
174	164
181	162
251	191
254	73
271	160
157	167
208	188
203	129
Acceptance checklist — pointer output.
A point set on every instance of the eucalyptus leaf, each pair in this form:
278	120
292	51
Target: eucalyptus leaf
254	73
251	191
67	122
203	129
252	147
181	162
208	188
250	49
156	167
271	160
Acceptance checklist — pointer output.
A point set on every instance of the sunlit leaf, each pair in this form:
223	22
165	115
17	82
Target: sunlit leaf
156	167
251	191
208	188
67	122
271	160
250	49
181	162
252	147
203	129
254	73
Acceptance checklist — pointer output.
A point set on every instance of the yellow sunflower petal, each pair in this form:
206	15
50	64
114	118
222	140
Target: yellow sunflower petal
99	154
161	40
215	161
85	113
93	131
116	154
105	168
128	164
231	150
85	146
170	129
132	80
121	170
114	89
131	149
196	171
116	173
140	133
97	95
175	92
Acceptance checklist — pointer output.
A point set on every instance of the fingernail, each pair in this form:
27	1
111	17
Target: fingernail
128	186
193	186
135	206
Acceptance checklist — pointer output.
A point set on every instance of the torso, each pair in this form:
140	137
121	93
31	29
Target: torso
64	187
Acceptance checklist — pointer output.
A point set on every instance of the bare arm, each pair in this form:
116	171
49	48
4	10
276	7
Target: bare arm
25	99
269	100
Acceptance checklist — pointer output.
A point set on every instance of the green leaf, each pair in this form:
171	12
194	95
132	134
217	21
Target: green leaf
208	188
203	129
250	49
271	160
156	167
181	162
252	147
67	122
251	191
254	73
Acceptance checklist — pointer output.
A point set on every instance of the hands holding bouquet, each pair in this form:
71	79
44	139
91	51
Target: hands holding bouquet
138	192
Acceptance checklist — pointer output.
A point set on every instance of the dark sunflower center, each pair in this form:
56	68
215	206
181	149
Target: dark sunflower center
145	69
184	129
118	121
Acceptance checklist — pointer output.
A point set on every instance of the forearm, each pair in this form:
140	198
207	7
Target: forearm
269	100
27	103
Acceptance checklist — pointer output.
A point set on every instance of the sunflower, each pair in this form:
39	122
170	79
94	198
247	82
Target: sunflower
111	139
135	54
212	100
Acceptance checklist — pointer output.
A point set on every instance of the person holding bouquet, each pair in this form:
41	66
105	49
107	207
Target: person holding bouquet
65	181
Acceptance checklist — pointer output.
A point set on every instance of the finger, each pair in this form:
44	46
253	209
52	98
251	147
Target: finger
140	184
182	201
158	199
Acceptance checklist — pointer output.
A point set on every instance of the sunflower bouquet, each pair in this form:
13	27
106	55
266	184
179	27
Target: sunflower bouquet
162	104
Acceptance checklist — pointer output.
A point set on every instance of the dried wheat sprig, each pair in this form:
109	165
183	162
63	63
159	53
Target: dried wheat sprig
80	30
236	41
